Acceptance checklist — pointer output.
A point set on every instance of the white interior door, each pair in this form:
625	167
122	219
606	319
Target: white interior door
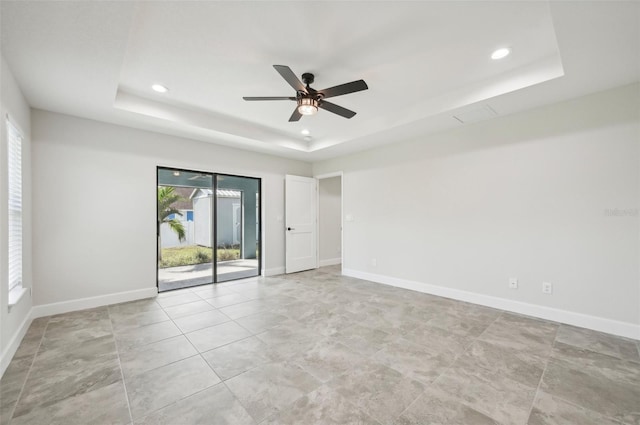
300	223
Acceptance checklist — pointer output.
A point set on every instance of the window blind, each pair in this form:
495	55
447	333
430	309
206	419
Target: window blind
14	181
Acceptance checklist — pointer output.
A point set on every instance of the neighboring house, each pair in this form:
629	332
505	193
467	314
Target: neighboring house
185	205
169	238
187	215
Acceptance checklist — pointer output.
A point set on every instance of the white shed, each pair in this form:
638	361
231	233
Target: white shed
229	216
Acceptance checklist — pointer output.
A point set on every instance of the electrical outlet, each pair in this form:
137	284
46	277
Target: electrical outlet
374	262
547	288
513	283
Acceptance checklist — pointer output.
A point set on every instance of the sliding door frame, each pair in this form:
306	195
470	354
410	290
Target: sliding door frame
259	216
214	224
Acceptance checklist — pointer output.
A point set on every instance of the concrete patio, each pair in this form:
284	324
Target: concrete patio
199	274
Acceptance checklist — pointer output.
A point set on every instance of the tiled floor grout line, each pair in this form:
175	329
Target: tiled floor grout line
277	297
124	383
576	405
619	357
24	384
240	402
561	398
180	399
222	381
163	339
451	366
254	334
585	349
544	370
201	353
255	367
169	318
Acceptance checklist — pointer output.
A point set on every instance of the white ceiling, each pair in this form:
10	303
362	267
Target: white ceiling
424	62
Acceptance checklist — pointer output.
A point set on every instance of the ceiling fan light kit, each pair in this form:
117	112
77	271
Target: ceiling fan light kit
308	99
307	105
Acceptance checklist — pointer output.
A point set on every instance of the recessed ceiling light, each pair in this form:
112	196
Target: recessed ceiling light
500	53
159	88
305	132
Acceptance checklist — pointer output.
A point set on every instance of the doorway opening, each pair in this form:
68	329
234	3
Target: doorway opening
330	220
208	228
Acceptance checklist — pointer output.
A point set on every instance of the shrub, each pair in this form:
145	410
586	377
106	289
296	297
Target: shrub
228	254
203	257
185	256
190	255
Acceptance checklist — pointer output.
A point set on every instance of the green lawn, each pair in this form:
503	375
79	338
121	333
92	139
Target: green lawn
189	255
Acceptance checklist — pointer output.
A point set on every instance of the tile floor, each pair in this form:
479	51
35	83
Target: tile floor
315	348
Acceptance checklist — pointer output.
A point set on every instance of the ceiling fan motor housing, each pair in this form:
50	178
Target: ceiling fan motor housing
307	78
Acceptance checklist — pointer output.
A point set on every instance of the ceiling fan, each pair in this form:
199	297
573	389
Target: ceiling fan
199	177
309	99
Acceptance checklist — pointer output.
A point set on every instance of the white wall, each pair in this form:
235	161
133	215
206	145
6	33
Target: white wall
522	196
88	172
14	322
329	213
202	220
170	239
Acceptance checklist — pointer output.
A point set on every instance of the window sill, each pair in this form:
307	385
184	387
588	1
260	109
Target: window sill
15	295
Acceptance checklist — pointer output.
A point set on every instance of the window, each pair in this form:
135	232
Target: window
14	180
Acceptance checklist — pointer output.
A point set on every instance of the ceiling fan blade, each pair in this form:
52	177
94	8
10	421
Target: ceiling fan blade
332	107
347	88
290	77
268	98
295	116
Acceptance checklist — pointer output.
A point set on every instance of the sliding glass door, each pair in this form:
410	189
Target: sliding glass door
237	227
208	228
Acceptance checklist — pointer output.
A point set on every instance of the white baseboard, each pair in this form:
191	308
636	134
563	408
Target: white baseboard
11	349
625	329
273	272
91	302
330	262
